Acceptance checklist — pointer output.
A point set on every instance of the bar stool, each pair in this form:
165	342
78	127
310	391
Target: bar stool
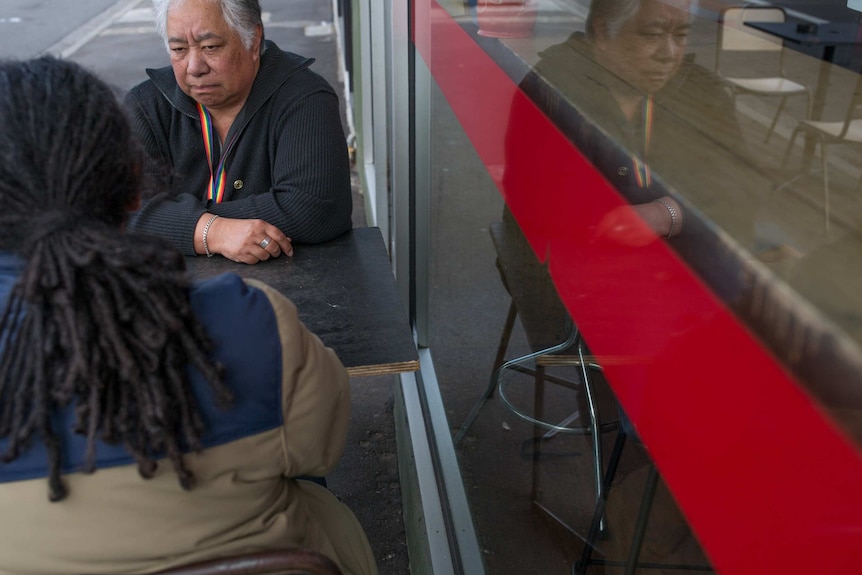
534	300
632	562
570	353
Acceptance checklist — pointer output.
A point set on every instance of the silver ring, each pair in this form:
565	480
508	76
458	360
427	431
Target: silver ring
265	242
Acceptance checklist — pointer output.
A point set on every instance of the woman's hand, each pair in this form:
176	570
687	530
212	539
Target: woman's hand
625	226
638	225
247	241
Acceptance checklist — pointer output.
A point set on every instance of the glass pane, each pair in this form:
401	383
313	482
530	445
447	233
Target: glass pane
646	184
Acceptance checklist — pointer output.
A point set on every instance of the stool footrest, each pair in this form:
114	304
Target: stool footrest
554	360
651	565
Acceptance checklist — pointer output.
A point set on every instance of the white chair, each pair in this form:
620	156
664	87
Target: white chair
735	37
847	131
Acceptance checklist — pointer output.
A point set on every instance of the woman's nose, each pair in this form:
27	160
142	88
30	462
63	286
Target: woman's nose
667	49
197	64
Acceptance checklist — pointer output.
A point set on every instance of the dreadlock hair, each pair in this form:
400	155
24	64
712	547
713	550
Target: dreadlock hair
99	319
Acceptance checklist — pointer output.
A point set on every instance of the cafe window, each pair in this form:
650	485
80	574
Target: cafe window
640	220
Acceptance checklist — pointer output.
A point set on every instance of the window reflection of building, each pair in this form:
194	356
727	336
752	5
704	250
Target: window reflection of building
510	57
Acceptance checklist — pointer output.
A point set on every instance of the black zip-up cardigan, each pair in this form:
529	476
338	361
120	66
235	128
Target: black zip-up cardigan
288	164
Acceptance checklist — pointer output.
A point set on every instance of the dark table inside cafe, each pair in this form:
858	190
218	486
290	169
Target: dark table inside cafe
344	292
828	36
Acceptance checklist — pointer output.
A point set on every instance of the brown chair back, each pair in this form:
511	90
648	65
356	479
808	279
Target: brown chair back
277	562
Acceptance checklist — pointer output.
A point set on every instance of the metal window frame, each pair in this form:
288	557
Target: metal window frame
396	135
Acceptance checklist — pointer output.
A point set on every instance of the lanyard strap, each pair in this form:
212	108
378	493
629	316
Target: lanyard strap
215	190
642	172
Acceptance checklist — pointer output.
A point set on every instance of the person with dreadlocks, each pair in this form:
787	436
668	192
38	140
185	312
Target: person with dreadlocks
167	421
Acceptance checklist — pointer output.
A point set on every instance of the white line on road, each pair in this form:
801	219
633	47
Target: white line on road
129	30
138	15
73	42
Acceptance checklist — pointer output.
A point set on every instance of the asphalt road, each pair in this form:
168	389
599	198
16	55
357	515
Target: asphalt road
117	40
29	28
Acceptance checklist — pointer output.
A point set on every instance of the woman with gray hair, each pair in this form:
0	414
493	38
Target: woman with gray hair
242	16
244	142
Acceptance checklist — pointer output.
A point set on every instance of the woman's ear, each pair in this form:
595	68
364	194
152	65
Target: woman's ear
257	41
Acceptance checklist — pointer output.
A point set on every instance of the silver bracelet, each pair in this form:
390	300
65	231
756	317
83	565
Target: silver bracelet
206	231
674	217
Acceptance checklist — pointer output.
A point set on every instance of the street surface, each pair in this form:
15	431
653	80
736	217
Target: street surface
29	28
117	40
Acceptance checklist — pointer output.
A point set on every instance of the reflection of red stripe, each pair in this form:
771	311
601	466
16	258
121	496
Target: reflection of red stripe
766	481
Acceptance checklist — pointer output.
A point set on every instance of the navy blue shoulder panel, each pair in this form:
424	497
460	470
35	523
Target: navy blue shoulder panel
242	324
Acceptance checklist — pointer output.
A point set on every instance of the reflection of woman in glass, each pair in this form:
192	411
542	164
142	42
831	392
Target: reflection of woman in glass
645	116
635	107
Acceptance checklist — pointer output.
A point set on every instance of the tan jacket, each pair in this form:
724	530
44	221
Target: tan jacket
113	521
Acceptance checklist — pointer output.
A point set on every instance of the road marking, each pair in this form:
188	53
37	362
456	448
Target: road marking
138	15
129	31
11	20
77	38
319	29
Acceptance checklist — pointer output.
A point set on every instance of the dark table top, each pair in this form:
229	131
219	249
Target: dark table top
828	34
345	293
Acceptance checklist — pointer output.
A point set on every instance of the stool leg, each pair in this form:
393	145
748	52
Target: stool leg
503	345
642	520
595	426
538	411
599	512
492	382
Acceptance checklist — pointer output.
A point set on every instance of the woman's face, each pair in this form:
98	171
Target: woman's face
209	60
648	49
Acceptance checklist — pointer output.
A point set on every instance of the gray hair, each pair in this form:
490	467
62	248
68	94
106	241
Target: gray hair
242	16
612	14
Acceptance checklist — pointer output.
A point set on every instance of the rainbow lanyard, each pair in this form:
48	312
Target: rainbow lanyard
217	179
642	173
